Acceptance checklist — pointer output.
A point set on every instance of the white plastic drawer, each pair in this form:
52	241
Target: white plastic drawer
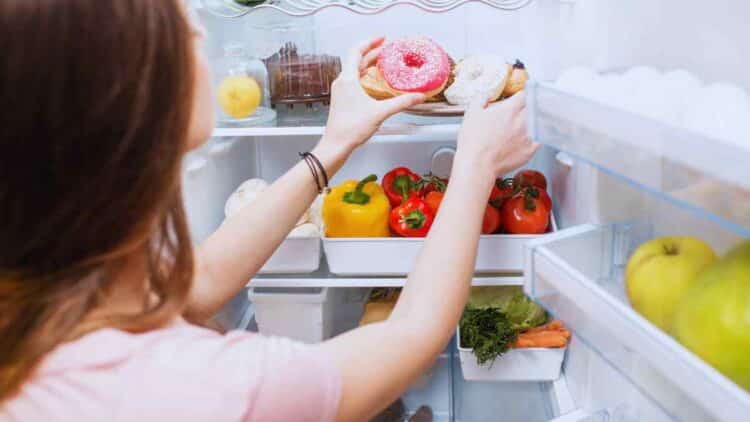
296	255
395	256
577	275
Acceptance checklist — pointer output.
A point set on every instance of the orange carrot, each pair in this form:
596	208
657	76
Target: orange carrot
555	325
541	339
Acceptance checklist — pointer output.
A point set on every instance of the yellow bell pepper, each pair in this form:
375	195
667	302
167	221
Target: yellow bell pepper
357	209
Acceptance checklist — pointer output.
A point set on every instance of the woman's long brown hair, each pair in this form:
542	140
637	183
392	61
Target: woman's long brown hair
95	104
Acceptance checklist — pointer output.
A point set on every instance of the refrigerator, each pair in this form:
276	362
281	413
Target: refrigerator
619	176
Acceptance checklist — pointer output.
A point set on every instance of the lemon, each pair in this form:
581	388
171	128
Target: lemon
239	96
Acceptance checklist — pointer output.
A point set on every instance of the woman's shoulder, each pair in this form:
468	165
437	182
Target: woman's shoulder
109	348
181	371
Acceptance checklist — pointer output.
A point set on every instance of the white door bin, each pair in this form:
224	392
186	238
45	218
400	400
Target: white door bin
532	364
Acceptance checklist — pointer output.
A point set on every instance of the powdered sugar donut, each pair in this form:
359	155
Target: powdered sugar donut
482	76
414	65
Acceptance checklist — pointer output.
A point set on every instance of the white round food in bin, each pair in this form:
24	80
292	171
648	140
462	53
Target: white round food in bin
531	364
295	255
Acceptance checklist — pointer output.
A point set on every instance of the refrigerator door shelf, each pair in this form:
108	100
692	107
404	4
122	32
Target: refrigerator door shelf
692	171
577	275
498	253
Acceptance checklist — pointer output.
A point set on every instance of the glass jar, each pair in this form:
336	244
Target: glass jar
298	72
242	92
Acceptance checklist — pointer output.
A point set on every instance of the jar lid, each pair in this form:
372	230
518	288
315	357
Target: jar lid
234	50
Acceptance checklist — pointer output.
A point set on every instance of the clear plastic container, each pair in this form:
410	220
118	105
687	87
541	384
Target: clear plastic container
243	95
298	72
303	314
308	314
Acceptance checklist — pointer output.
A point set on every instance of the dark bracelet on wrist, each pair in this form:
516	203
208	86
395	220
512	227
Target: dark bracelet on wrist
317	170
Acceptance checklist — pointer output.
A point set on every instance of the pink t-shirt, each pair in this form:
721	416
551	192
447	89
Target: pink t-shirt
180	373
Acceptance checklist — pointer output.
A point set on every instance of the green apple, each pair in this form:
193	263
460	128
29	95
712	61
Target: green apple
713	319
661	271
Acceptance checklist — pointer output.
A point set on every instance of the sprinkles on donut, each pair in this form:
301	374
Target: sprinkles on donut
415	64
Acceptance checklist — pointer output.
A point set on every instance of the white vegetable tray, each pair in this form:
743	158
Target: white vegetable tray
296	255
395	256
528	364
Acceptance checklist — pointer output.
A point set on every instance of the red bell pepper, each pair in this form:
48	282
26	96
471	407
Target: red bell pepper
412	219
400	184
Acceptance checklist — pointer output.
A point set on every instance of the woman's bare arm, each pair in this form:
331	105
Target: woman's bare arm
238	249
378	362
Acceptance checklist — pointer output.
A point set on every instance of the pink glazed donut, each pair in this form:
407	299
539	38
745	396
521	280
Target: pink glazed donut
415	64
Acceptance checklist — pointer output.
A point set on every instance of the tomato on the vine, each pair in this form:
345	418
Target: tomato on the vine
491	222
431	183
525	214
545	198
502	190
433	199
530	178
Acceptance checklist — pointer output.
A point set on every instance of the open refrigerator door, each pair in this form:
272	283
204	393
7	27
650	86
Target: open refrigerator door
641	108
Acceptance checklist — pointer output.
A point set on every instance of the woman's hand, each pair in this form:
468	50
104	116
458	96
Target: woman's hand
354	116
493	139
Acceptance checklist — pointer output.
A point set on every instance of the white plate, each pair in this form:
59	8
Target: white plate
437	109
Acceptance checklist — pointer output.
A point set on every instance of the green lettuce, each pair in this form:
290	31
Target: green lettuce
522	312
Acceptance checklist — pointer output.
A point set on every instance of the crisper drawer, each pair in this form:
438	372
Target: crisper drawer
577	274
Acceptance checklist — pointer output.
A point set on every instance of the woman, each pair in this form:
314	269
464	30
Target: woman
97	275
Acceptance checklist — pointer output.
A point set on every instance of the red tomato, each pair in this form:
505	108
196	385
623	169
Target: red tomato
434	199
546	200
491	220
501	191
432	183
524	214
531	178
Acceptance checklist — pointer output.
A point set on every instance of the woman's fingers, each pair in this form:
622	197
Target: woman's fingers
351	68
477	104
517	101
402	102
520	120
368	60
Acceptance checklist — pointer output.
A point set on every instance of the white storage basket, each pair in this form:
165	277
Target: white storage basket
528	364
